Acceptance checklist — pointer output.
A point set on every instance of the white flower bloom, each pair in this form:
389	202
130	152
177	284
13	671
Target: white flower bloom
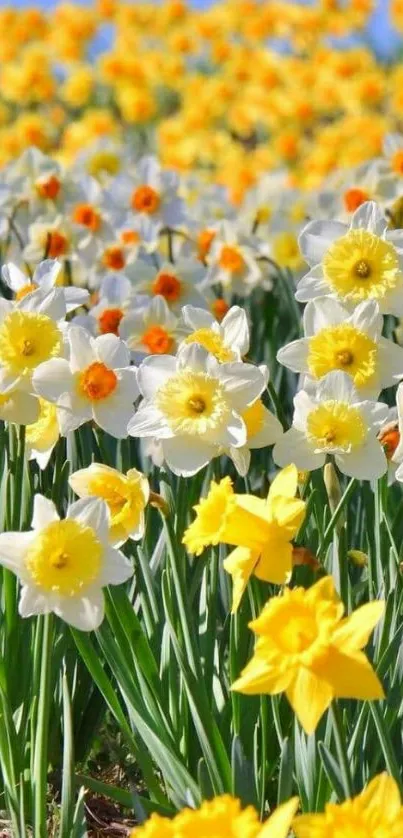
356	263
180	283
31	332
150	191
96	383
335	421
353	343
64	564
347	189
193	404
232	261
227	340
150	329
42	282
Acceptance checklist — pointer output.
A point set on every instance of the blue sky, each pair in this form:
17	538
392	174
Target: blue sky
380	31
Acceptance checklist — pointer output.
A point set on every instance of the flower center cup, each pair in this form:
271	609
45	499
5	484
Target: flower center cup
145	199
65	558
97	382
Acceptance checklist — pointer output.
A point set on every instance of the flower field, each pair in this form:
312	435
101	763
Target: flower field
201	419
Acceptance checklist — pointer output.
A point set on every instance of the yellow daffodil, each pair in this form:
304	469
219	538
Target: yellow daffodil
260	529
306	649
221	817
377	811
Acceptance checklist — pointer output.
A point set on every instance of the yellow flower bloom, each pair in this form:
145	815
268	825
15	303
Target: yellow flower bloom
221	818
260	529
125	494
306	649
375	813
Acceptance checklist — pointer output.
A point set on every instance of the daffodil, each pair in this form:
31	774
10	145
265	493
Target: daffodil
353	343
375	813
356	263
42	434
64	564
126	496
151	328
193	405
42	282
335	420
232	261
306	649
227	340
260	529
96	383
222	817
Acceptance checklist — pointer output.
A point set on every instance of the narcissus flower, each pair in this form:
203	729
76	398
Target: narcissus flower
150	329
64	564
227	340
352	343
306	649
96	383
375	813
193	404
335	420
42	283
42	435
126	496
260	529
221	817
356	263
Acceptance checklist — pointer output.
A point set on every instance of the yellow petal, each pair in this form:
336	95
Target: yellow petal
260	679
382	794
288	513
247	523
309	697
324	589
275	563
311	826
349	676
354	631
285	483
240	564
278	825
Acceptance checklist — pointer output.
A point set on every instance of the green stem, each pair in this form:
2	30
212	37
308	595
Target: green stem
42	732
328	534
341	748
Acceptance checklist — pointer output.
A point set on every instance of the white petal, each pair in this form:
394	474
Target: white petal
312	285
153	373
368	462
243	382
390	359
75	297
369	217
192	356
128	387
21	408
375	414
269	434
72	412
337	385
236	330
241	459
367	318
148	422
303	405
293	447
85	614
316	238
91	512
116	567
197	318
321	313
113	415
294	356
32	602
13	276
13	548
111	351
44	512
52	378
187	455
81	348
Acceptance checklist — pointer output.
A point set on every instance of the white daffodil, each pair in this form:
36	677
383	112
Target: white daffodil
126	496
150	191
95	383
356	263
42	282
42	433
150	329
105	316
232	261
179	284
64	564
347	189
193	404
227	340
335	421
31	332
51	238
353	343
